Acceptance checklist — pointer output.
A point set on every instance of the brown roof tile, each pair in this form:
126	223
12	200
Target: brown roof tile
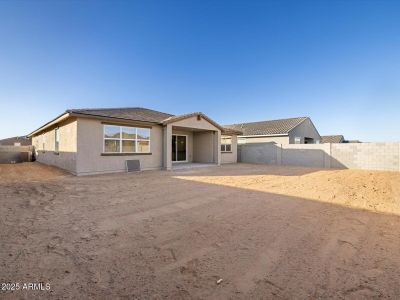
332	139
272	127
138	114
129	113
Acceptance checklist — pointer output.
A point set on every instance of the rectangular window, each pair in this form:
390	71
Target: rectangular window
226	144
126	139
56	140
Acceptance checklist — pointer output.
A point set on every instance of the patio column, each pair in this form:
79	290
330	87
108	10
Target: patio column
217	147
167	147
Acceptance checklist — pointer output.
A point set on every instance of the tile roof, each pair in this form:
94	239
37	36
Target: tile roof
230	131
185	116
176	118
272	127
332	138
136	114
129	113
353	141
146	115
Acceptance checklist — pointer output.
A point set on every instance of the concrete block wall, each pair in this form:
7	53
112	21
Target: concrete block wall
261	153
308	155
15	154
370	156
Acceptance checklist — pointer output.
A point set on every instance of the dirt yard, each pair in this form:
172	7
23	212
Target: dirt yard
267	232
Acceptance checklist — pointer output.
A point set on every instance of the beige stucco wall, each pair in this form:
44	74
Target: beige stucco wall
167	147
231	157
217	147
203	144
81	146
266	139
44	144
305	129
90	148
193	122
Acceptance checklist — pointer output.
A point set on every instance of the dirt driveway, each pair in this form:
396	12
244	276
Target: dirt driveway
267	232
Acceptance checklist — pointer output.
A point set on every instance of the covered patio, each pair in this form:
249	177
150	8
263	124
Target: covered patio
191	140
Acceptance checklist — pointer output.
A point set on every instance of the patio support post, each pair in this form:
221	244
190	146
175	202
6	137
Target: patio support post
217	147
167	147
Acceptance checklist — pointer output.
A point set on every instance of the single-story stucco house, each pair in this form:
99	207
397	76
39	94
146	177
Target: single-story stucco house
353	141
336	139
95	141
299	130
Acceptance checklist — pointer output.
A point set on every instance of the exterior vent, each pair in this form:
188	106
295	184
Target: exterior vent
132	165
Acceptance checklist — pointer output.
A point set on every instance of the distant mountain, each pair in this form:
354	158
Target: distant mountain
16	141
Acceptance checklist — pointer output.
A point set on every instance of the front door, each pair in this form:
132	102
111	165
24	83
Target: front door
179	143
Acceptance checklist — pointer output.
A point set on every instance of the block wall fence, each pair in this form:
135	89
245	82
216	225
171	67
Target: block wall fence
15	154
369	156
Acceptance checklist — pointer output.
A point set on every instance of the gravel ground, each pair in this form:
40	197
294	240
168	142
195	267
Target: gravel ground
267	232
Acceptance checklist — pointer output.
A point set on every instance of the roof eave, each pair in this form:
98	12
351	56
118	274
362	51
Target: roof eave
56	120
68	114
100	117
174	119
264	135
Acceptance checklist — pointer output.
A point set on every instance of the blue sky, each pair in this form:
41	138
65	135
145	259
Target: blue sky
335	61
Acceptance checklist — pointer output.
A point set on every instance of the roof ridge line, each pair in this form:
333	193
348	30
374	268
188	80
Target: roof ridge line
305	118
268	121
114	108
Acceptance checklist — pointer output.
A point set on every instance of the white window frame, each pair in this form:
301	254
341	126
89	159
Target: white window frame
224	144
120	139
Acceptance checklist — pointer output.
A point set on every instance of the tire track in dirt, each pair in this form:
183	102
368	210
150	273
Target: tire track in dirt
131	218
345	236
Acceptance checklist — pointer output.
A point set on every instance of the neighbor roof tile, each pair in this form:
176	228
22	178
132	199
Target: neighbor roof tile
272	127
332	139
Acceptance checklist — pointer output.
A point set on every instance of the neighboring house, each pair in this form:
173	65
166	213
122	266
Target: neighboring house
335	139
353	141
284	131
91	141
16	141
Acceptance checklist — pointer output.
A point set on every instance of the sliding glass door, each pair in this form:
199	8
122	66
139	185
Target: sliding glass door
179	143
